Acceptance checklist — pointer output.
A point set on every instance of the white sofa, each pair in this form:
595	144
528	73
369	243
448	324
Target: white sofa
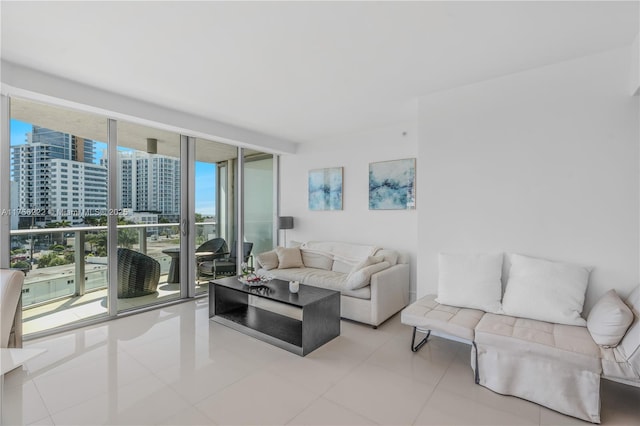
555	365
11	308
373	282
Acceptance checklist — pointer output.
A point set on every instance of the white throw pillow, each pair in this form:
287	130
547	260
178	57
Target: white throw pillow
362	277
268	260
470	281
316	260
370	260
546	291
609	320
388	255
289	258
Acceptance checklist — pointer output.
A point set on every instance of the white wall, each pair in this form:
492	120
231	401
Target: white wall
355	223
543	163
635	66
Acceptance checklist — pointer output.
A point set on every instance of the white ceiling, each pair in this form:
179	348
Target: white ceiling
302	70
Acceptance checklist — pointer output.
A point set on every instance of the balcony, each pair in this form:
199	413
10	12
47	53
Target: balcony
66	282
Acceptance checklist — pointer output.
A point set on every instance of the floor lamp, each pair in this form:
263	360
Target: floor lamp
284	223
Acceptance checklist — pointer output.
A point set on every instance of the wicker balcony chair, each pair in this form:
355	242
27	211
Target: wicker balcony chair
138	274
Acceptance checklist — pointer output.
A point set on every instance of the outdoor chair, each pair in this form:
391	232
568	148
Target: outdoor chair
226	266
138	274
208	251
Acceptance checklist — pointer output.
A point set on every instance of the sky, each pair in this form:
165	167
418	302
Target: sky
205	191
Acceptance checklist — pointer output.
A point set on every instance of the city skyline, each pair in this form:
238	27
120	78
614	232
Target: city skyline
205	173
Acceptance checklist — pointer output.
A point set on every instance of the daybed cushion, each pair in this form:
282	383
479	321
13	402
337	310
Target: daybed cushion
547	291
470	281
427	314
609	320
554	365
289	258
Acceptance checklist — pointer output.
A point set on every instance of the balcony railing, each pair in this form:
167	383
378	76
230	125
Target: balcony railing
71	261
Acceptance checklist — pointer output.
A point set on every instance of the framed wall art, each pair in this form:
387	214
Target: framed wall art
325	189
392	185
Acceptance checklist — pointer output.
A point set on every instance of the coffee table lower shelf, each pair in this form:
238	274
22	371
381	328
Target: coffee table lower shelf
273	328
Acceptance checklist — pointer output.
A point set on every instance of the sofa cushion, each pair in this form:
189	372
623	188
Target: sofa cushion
321	278
609	320
427	314
470	281
547	291
362	277
289	258
341	266
316	260
268	260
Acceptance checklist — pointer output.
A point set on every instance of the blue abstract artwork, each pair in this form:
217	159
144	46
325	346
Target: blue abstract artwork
392	185
325	189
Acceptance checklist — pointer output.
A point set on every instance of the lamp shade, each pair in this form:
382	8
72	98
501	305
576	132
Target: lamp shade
285	222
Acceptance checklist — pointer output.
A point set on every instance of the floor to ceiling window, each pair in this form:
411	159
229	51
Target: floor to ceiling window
148	207
215	165
98	210
259	203
58	194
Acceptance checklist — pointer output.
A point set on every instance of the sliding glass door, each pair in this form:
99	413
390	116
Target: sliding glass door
148	206
110	216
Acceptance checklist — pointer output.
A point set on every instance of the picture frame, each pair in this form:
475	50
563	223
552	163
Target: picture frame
392	185
325	189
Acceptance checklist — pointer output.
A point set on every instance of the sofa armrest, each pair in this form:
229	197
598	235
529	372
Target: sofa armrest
389	292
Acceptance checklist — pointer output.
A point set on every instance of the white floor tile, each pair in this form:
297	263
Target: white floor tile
446	408
428	365
378	394
142	402
189	416
324	367
174	366
197	382
260	399
23	404
69	387
323	412
46	421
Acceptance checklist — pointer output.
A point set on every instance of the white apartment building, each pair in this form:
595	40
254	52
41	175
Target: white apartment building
57	179
149	183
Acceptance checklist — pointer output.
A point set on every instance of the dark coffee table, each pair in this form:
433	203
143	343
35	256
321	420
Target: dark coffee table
229	305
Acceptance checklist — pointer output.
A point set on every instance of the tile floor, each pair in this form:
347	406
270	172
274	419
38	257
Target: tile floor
173	366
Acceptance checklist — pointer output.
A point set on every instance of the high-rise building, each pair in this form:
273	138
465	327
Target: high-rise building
57	178
149	183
